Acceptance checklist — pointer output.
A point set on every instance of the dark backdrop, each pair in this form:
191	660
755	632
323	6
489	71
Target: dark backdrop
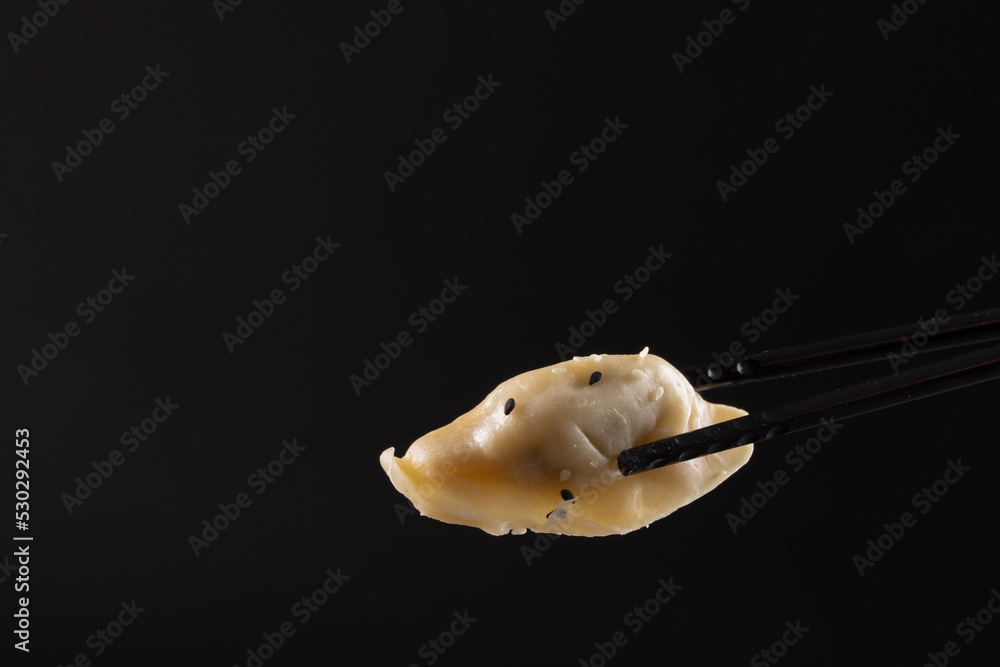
173	249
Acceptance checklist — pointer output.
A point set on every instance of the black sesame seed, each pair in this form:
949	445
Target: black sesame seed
566	494
508	406
595	376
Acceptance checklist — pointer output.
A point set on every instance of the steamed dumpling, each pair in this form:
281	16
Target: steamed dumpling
540	452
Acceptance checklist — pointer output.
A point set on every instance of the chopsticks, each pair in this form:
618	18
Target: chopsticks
932	335
920	382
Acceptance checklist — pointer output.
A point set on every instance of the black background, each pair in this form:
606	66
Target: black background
323	176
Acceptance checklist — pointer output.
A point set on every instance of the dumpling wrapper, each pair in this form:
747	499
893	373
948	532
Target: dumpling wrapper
507	472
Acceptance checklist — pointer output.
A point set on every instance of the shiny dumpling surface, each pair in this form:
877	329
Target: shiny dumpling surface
540	451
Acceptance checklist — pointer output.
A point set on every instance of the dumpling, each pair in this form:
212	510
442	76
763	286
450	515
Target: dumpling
540	452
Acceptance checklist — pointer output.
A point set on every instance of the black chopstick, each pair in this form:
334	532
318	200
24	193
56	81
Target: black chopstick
903	341
839	404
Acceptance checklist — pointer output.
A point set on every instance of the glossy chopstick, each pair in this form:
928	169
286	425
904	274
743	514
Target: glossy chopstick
839	404
902	341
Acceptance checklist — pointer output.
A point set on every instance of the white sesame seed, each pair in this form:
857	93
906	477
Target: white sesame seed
659	393
559	369
645	351
638	374
595	357
564	475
